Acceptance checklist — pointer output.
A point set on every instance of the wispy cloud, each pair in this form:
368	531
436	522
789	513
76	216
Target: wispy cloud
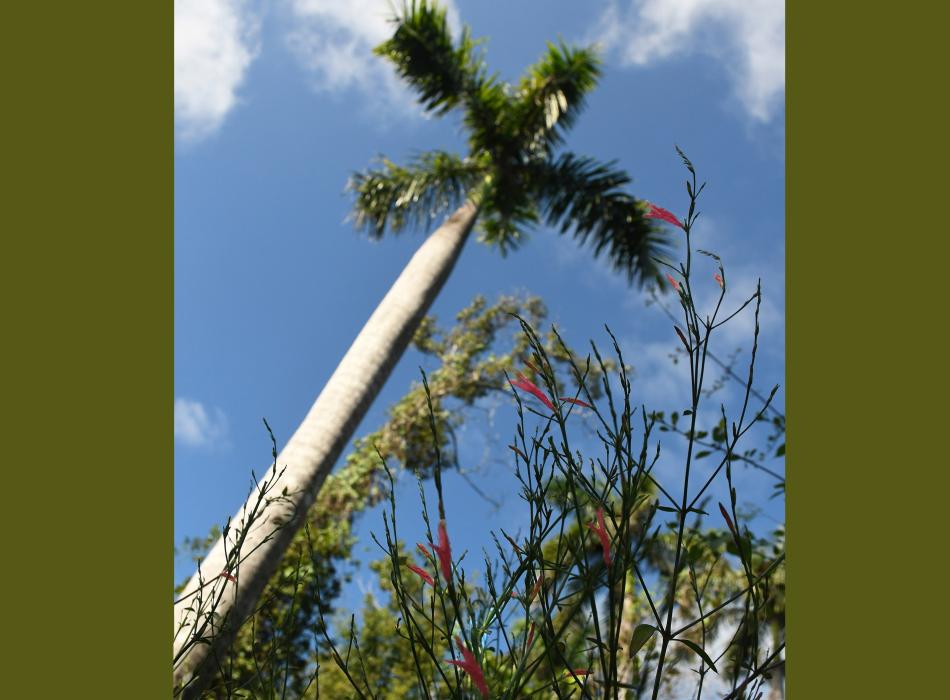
333	41
215	43
746	36
198	426
660	378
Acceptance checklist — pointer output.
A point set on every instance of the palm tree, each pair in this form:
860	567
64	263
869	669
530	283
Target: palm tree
513	177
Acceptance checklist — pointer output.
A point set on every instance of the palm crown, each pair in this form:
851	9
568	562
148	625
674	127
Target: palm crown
512	172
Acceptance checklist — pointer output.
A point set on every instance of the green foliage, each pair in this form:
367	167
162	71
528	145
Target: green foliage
390	667
425	56
386	656
511	171
586	196
551	95
400	197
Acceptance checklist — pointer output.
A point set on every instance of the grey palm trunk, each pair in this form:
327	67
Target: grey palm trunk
312	451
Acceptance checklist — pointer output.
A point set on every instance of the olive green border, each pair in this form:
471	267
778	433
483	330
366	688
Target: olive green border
87	286
867	248
88	385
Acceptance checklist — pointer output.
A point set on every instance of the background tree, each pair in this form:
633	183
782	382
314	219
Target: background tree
512	178
380	639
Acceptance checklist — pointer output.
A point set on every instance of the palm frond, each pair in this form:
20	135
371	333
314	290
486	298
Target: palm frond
426	57
507	202
398	197
506	220
582	195
552	93
487	106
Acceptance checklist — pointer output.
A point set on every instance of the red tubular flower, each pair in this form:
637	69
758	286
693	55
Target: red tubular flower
676	285
422	573
655	212
535	589
530	636
579	672
577	402
513	543
422	548
519	453
718	278
522	382
229	577
471	667
444	552
601	530
682	337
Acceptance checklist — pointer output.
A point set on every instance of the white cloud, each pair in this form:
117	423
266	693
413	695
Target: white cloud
197	426
658	382
215	42
334	41
747	36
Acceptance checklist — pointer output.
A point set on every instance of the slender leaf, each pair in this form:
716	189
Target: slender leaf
699	650
641	635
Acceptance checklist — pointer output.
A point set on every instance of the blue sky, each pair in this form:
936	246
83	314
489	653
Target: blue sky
278	102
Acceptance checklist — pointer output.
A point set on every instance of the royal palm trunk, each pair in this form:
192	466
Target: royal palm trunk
315	447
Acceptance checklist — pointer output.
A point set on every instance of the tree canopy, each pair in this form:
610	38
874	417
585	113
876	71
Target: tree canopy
513	170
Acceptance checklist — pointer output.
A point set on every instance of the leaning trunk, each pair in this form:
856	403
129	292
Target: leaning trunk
307	459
